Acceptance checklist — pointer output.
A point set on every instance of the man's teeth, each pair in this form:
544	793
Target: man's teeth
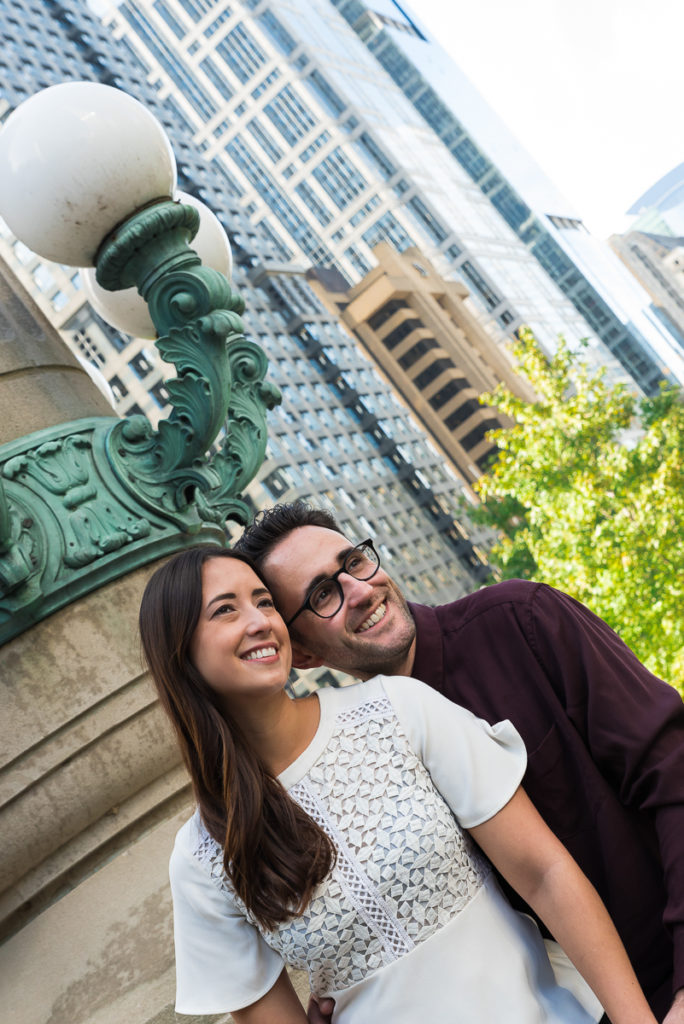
375	617
261	652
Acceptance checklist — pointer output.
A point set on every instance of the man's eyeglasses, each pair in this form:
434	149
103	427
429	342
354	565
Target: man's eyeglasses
327	597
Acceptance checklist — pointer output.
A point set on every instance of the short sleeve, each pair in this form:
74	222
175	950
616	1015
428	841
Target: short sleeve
476	767
222	962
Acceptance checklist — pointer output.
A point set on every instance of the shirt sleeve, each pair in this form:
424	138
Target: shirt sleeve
631	722
222	962
476	767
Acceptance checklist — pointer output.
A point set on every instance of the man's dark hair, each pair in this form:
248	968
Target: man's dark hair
271	525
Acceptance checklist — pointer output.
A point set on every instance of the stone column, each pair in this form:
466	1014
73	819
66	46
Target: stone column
92	790
91	786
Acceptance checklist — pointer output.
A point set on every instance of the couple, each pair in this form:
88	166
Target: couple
323	837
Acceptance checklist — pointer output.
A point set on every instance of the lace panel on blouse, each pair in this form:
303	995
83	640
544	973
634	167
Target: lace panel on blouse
404	867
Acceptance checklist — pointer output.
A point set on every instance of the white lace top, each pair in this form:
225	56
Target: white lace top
410	922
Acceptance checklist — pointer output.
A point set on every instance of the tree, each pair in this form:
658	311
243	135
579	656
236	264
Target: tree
586	493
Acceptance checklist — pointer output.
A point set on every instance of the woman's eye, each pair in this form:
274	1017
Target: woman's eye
222	609
266	602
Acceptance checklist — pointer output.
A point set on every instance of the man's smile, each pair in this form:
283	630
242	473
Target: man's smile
377	615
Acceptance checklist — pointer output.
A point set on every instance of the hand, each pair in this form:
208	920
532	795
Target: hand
676	1014
320	1011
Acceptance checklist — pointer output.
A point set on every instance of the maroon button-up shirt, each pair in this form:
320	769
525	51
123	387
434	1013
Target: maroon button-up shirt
605	745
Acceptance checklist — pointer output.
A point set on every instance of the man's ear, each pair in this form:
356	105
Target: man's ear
302	657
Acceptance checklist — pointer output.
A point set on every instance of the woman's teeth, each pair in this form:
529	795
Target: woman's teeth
262	652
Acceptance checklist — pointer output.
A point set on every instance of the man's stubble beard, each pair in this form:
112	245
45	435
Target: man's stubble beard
368	657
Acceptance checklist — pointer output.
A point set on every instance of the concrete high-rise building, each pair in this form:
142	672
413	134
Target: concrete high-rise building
419	329
658	262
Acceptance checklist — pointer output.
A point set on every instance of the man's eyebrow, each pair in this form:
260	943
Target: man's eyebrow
341	555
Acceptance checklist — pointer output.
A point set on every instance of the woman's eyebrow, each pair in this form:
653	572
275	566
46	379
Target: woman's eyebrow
257	592
221	597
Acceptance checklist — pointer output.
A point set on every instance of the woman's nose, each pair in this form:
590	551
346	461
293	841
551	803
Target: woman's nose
259	621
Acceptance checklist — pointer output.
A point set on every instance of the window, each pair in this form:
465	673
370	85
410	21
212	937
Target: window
313	203
289	115
265	141
216	77
387	228
141	365
431	372
447	392
340	178
274	198
364	211
266	84
171	62
166	15
461	414
385	312
400	332
478	282
374	155
241	53
359	263
278	33
324	92
426	220
416	352
119	389
160	394
197	8
478	433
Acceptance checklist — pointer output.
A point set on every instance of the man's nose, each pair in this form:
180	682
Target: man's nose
355	591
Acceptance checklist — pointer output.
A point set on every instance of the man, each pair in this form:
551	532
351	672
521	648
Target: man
605	738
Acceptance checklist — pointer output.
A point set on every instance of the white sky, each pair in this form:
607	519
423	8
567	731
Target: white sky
594	89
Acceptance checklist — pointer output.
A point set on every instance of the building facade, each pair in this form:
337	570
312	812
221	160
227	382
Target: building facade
422	332
340	437
326	124
658	263
615	312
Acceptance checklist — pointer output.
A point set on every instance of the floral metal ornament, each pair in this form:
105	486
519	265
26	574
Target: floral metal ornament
88	501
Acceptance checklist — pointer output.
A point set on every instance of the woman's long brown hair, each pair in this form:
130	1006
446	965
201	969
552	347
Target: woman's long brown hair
273	852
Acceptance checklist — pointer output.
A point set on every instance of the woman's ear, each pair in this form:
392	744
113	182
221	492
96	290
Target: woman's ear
303	658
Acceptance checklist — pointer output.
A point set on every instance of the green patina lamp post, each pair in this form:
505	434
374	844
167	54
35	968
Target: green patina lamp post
87	178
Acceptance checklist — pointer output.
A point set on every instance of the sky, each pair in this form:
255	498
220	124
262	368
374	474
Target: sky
592	88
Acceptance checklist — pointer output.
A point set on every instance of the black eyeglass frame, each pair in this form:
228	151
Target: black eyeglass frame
334	580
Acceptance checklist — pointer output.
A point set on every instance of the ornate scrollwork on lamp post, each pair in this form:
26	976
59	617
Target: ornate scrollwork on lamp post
87	501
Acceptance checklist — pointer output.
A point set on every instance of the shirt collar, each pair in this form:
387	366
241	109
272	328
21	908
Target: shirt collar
428	664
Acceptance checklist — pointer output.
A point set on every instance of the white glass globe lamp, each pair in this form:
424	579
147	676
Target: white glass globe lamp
76	160
126	309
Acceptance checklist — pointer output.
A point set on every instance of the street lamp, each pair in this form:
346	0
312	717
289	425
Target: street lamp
87	178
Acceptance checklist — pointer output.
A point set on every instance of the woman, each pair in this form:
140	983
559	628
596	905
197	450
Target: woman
333	834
